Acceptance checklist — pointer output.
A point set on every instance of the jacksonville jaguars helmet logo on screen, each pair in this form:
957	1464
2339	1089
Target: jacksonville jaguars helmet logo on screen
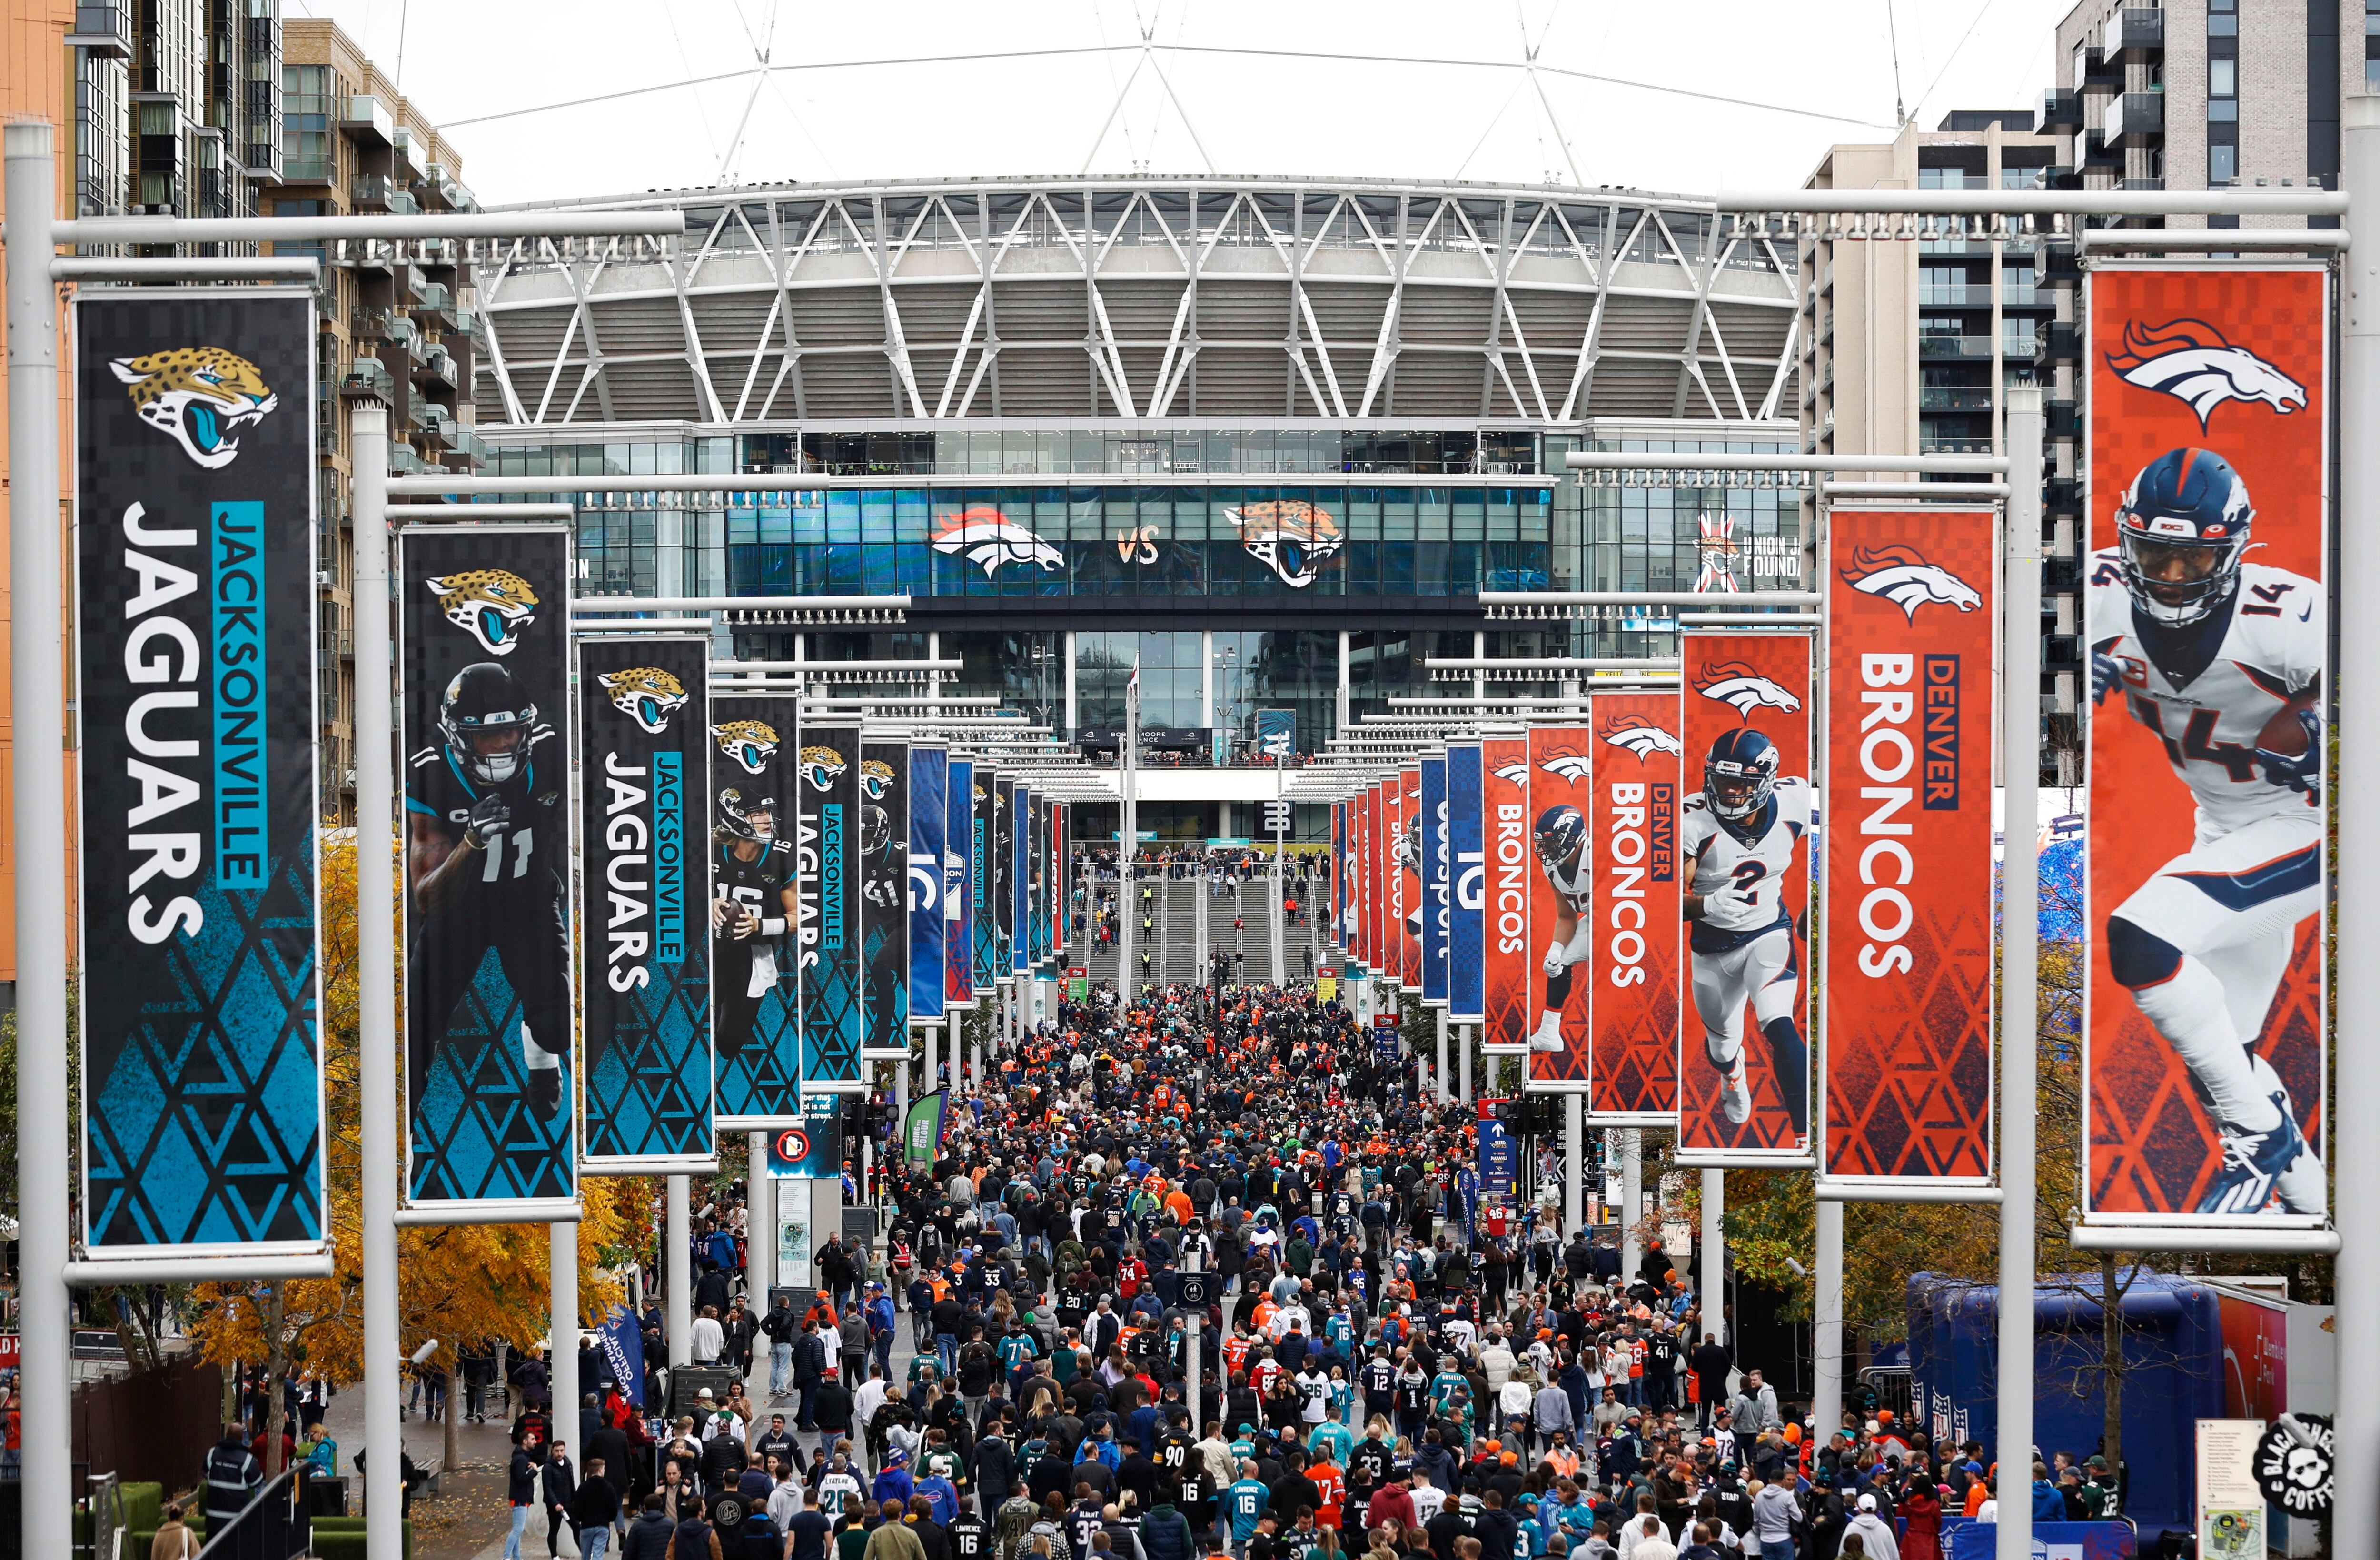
198	397
647	695
751	744
494	607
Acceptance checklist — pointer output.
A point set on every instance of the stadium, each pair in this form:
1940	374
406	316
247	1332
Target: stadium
1270	438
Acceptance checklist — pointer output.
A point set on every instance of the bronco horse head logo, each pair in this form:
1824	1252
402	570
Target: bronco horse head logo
2191	361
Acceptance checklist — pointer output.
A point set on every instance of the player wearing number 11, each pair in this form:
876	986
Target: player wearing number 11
487	835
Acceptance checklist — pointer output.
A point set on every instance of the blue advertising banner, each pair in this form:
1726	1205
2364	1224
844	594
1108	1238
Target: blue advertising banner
1020	880
830	888
1276	736
623	1343
930	774
754	912
983	877
194	635
1500	1157
1387	1037
959	887
1466	926
645	949
1434	882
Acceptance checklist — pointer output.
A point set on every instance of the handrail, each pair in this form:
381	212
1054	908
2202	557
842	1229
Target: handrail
264	1526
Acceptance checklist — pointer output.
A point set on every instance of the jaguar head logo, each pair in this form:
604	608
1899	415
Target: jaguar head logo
875	778
647	695
822	767
198	397
1294	537
750	744
493	606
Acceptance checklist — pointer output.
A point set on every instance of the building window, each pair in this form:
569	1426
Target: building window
305	150
2371	46
2223	18
2223	91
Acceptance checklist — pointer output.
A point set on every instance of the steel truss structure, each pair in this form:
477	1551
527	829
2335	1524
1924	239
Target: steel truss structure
1147	298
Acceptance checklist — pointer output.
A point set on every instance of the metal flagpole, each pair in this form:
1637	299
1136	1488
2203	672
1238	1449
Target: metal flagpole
38	772
1280	894
1713	1293
1632	1201
1573	1162
2020	1005
2355	1157
1128	836
679	1299
562	1333
759	1225
1444	1097
1826	1400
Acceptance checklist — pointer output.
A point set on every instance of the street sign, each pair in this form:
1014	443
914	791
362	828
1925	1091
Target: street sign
1198	1289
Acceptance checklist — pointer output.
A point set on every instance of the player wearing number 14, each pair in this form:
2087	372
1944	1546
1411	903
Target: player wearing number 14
486	834
2221	659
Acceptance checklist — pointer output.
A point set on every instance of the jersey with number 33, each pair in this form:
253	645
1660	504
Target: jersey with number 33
1740	870
2272	638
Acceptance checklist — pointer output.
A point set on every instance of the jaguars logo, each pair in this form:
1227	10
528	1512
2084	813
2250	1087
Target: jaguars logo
875	778
198	397
822	767
647	695
749	743
1294	537
493	606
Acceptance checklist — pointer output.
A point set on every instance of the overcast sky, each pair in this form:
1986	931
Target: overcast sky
467	59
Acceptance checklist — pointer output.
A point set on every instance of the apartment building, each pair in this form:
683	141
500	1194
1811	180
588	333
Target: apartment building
1907	348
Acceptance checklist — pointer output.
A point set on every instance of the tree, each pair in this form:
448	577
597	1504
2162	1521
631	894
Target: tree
457	1282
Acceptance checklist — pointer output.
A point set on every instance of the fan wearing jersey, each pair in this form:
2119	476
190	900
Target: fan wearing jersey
2221	659
1562	857
486	836
751	904
1742	830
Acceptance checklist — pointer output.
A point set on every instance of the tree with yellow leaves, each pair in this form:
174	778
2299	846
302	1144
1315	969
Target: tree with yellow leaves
457	1282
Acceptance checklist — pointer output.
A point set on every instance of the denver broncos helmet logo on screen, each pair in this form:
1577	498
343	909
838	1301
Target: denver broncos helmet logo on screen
647	695
1294	537
821	766
985	537
198	397
494	607
1733	683
2191	361
1640	737
1902	576
750	743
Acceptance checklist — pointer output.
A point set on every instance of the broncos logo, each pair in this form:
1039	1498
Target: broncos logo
1640	737
1902	576
988	539
750	743
875	778
1518	773
1294	537
2191	361
822	767
493	606
1573	767
1733	683
647	695
198	397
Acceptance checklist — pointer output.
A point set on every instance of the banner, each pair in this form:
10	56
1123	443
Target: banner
921	1134
929	907
1276	736
811	1151
622	1338
829	852
2208	641
758	927
1410	880
1061	887
1020	879
1466	995
1911	605
1003	879
193	611
983	885
1506	965
884	798
1561	931
1499	1156
1375	897
1337	880
959	887
644	828
1434	913
1636	953
1743	1057
483	627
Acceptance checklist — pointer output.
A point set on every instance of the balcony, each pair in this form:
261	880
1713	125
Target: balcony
1954	296
2100	74
2133	117
369	379
2134	31
435	304
2061	495
435	369
104	29
466	324
2061	113
466	450
1954	346
375	193
404	461
2065	419
2061	652
1951	398
2148	184
366	121
1952	446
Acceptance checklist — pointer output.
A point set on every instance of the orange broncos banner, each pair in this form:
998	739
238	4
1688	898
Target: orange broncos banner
1560	960
1635	958
1912	601
1744	1066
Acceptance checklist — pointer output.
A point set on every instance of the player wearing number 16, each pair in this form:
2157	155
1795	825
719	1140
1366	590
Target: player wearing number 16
486	834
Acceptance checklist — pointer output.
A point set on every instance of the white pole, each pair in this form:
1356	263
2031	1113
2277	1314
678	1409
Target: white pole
1827	1400
1279	914
1200	953
38	772
677	1272
1462	1060
901	1105
1714	1255
1439	1077
933	1058
760	1223
2355	1516
2019	879
1573	1162
1127	838
563	1258
380	1107
1632	1201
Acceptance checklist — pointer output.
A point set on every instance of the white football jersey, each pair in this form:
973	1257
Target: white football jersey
1743	881
2274	637
1572	880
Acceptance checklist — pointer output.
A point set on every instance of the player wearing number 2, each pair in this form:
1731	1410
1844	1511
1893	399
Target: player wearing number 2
487	835
1741	832
2221	659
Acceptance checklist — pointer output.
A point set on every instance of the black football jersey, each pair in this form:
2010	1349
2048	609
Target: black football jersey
521	866
757	884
